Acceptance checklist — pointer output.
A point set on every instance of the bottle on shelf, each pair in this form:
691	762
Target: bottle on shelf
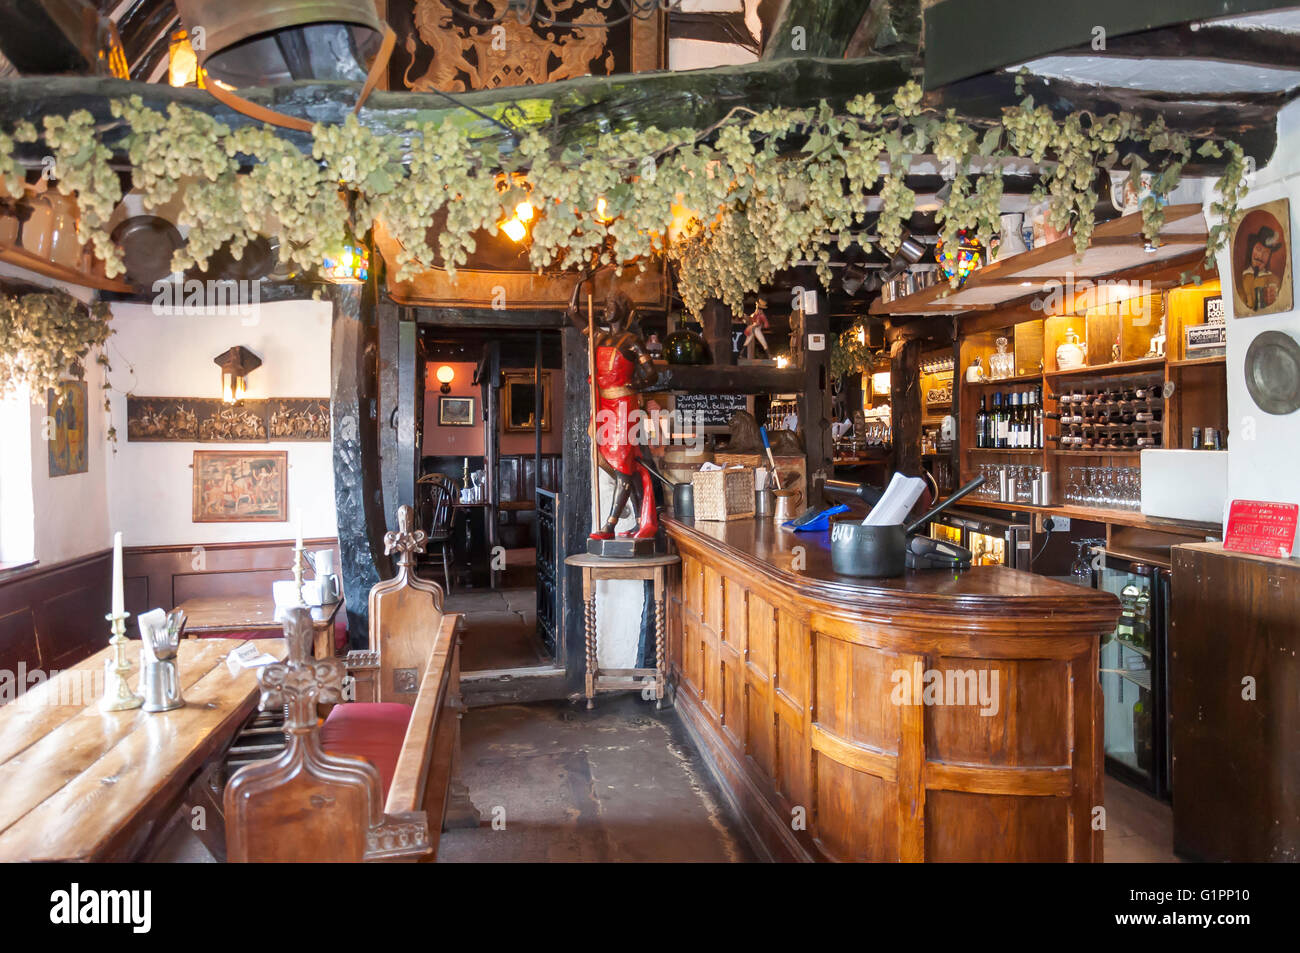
981	424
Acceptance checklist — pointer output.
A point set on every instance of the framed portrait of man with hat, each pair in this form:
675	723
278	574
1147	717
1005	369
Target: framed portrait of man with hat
1261	261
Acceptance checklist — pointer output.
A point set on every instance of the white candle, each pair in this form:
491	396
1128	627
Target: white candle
299	529
118	602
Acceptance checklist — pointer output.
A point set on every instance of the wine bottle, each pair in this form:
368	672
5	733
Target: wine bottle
981	423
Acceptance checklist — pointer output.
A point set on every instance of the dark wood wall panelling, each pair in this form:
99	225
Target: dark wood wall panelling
168	575
53	617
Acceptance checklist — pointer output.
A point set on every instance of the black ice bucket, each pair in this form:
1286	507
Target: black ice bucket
858	550
880	551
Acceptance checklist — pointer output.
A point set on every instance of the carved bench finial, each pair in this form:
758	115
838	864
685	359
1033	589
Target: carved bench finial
300	681
407	540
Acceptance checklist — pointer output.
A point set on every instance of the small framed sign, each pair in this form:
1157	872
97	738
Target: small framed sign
1256	526
456	411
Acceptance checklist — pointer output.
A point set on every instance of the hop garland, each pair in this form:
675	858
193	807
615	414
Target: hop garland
729	205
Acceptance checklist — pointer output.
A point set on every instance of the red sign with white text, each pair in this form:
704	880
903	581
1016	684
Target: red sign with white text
1267	529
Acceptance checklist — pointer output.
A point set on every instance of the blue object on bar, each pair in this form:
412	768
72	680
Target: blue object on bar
819	521
762	432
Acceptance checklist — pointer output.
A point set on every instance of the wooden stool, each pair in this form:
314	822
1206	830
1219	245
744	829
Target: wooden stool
645	568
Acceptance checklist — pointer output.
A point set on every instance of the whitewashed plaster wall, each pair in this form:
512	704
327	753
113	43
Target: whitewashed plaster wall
1263	449
159	355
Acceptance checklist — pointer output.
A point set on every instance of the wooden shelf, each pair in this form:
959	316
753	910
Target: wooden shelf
1116	246
1119	367
1103	452
1001	381
1099	515
15	255
1016	450
1199	362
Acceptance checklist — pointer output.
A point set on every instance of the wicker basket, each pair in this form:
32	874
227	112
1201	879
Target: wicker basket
724	494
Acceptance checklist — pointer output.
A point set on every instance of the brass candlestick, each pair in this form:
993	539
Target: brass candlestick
117	692
297	572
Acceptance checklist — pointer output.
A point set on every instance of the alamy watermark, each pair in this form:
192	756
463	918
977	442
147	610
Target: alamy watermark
946	687
1083	294
195	298
73	687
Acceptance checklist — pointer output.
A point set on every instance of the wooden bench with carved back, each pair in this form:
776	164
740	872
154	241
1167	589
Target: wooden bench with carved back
372	782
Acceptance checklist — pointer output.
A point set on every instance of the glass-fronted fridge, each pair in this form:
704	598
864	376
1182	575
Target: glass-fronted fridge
992	541
1134	667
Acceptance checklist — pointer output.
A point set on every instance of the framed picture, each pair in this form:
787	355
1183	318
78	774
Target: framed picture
456	411
66	407
1261	261
519	401
241	486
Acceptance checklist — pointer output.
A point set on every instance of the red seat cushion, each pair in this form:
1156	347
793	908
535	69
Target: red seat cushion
341	633
370	730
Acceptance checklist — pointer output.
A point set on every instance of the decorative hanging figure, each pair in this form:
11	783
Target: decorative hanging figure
756	324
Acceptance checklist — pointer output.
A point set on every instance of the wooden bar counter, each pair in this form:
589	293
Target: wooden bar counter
789	677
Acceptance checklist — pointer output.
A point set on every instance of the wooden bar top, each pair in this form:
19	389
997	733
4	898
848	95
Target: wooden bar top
939	715
770	551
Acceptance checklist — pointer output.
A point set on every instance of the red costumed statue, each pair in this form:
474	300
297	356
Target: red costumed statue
622	368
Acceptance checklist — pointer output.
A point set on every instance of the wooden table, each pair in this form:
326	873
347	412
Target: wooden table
213	615
644	568
80	784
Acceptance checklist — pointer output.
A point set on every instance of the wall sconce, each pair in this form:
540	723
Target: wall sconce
236	364
445	376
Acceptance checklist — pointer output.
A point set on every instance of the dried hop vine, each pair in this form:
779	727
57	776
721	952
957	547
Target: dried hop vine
45	337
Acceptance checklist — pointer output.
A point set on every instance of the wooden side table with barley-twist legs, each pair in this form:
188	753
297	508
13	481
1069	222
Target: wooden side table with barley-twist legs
646	569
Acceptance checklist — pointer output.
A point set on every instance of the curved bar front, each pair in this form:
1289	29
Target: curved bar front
937	716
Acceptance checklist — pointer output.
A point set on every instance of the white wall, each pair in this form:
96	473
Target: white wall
68	514
149	486
1264	450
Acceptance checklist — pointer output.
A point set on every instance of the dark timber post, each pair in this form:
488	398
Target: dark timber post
358	496
815	401
575	501
905	401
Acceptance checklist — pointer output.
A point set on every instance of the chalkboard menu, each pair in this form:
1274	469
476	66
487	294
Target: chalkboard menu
716	408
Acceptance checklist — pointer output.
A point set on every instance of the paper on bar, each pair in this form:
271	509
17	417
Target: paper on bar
899	498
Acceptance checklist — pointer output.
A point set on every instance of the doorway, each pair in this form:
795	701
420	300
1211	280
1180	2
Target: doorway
490	435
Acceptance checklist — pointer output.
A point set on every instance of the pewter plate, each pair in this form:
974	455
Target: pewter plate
1273	372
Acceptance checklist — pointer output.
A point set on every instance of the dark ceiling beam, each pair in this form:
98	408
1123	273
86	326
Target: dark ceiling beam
1251	124
964	38
888	26
820	27
1223	44
727	28
573	111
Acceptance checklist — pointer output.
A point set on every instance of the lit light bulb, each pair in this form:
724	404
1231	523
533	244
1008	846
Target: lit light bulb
524	211
602	211
514	229
782	361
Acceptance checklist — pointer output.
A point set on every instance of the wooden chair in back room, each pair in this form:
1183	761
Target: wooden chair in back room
440	494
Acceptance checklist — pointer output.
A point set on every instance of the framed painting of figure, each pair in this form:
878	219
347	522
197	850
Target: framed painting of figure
66	428
1261	261
240	486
